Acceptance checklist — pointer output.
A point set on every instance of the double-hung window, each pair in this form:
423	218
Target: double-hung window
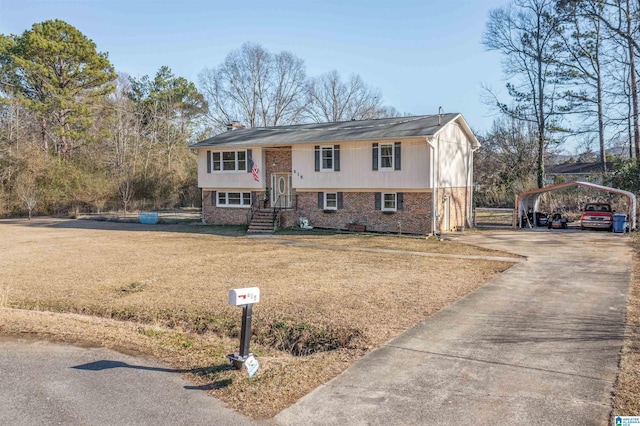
389	202
386	156
229	161
327	158
331	201
233	199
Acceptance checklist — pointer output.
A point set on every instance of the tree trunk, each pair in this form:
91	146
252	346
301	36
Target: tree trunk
541	120
43	129
603	157
634	85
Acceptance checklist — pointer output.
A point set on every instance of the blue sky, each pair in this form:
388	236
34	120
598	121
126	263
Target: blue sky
422	54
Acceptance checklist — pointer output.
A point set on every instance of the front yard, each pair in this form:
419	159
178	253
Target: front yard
162	291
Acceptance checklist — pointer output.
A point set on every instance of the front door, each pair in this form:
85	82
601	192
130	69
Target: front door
281	190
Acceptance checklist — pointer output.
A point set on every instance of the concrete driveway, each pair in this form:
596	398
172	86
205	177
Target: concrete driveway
537	345
48	384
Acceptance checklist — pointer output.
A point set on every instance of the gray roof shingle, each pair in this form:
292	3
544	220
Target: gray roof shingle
577	168
379	129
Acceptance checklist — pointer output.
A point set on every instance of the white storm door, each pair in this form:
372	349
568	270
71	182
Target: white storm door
281	190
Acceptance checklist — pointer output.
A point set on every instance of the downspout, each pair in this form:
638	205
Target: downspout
470	185
432	168
202	205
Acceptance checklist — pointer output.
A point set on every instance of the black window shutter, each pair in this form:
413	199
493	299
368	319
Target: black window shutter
336	158
375	156
397	158
208	161
399	200
249	161
213	198
321	200
378	200
340	205
317	158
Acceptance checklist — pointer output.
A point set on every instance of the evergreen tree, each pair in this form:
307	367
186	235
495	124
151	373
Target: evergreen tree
58	74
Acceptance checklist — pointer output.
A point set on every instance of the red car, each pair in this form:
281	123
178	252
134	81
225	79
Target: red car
597	216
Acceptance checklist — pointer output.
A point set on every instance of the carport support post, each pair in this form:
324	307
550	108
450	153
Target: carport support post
245	334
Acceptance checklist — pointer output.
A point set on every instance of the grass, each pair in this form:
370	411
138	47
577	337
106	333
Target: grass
627	395
162	290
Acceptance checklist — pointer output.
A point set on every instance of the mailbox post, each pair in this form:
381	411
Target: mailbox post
245	298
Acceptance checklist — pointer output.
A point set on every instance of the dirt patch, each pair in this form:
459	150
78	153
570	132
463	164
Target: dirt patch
403	243
163	292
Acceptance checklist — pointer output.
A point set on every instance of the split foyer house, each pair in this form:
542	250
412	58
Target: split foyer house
403	175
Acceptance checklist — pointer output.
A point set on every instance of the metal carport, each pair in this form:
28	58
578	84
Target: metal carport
530	199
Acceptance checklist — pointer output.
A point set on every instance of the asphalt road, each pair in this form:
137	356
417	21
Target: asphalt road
47	384
538	345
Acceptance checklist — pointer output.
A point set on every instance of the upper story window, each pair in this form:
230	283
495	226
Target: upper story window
386	156
327	158
229	161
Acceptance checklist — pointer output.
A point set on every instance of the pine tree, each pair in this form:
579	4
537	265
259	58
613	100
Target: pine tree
58	74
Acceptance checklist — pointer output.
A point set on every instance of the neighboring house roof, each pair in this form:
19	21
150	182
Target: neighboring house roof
577	168
379	129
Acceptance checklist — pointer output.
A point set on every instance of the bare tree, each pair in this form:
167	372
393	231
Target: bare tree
27	191
582	59
255	87
331	99
622	18
526	34
126	190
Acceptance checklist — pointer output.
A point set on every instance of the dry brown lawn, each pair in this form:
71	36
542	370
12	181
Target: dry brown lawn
627	395
162	291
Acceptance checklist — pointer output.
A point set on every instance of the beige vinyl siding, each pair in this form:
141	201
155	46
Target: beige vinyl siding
453	156
356	167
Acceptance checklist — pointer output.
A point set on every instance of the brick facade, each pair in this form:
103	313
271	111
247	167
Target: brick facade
277	160
359	208
222	215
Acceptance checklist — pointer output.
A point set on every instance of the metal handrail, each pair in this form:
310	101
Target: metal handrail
277	207
256	200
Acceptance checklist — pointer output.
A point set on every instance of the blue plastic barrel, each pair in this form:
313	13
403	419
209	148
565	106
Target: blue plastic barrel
619	222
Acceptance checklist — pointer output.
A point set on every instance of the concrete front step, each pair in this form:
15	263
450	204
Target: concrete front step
262	222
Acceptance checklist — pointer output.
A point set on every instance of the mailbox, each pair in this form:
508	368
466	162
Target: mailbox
244	296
